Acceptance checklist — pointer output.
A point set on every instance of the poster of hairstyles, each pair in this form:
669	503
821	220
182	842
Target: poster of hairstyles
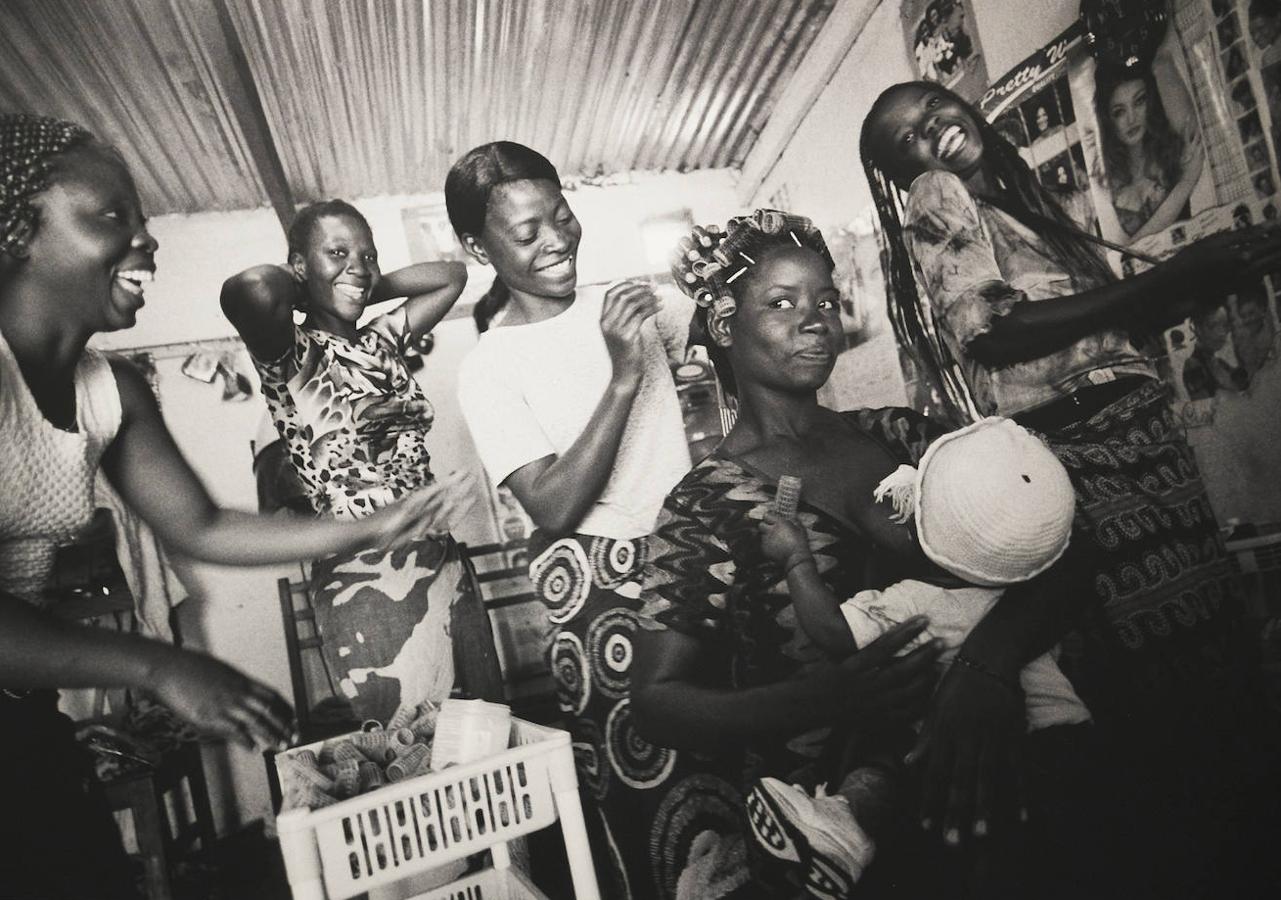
944	44
1167	148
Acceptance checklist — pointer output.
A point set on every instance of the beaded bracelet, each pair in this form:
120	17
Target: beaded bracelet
976	666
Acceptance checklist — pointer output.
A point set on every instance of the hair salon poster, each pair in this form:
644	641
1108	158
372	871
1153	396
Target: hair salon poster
1177	144
942	40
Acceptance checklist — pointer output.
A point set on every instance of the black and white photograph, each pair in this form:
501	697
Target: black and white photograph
620	450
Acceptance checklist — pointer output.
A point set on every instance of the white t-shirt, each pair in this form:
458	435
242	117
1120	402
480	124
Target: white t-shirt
528	391
953	612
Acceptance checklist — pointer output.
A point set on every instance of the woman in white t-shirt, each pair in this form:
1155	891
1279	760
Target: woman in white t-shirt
571	404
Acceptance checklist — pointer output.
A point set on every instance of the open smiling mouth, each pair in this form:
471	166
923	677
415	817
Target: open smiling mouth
351	291
132	280
560	267
950	142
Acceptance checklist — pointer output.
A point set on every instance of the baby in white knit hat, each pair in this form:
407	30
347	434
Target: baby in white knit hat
991	505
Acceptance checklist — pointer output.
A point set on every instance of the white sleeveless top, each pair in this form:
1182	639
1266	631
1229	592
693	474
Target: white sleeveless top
48	493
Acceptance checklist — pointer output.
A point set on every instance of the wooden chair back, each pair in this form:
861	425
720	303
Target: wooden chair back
522	632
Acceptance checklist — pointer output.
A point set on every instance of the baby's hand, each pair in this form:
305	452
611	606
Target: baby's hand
783	540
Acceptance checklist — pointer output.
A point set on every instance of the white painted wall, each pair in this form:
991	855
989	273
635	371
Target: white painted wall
236	616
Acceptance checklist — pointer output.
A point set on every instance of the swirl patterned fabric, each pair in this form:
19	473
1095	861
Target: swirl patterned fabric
1168	606
590	586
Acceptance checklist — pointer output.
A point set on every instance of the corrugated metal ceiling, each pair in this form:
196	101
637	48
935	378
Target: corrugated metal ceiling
379	97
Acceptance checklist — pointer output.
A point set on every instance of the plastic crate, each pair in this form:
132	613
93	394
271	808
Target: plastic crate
488	884
421	823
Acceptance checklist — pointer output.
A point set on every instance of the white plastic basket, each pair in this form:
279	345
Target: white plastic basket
421	823
489	884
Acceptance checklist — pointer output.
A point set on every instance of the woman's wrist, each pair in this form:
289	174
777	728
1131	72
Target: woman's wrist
992	673
624	384
795	561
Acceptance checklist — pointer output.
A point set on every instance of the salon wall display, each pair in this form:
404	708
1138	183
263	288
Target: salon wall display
944	44
1153	137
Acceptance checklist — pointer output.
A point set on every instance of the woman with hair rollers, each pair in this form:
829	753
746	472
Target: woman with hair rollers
1018	314
570	401
355	422
75	257
724	674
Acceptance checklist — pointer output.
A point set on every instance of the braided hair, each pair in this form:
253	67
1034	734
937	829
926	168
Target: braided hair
710	262
29	146
467	188
1019	193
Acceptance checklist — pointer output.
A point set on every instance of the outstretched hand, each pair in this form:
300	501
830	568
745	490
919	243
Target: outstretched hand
877	680
1229	259
223	702
431	511
968	753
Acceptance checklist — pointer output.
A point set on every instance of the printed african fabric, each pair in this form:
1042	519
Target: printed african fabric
974	262
707	578
591	588
1168	604
396	625
351	415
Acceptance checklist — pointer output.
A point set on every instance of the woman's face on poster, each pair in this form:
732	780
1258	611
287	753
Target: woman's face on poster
1128	111
1042	119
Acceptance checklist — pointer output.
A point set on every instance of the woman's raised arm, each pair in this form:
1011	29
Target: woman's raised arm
432	288
259	302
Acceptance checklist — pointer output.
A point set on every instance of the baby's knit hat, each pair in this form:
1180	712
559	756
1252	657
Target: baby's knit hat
992	504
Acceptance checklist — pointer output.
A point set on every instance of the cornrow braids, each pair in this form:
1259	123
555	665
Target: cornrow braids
710	261
28	146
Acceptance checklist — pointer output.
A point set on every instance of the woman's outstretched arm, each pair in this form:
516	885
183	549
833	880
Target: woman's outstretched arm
144	465
673	709
38	650
432	288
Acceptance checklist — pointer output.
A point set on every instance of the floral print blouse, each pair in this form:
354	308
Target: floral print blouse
352	416
974	263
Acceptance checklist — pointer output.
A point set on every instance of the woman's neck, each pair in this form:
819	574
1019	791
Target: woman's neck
525	308
38	338
333	325
1138	161
766	415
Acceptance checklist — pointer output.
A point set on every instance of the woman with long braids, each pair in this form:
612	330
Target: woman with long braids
1012	310
75	259
401	625
571	404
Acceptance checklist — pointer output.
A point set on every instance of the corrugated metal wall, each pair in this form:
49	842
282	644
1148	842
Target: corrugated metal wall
380	96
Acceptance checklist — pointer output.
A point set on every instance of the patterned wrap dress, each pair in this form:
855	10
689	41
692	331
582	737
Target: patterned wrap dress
707	578
354	422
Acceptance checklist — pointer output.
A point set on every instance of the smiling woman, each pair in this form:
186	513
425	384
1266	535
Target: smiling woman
571	404
75	254
355	423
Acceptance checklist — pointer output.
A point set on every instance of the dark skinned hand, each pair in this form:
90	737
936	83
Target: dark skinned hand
968	755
